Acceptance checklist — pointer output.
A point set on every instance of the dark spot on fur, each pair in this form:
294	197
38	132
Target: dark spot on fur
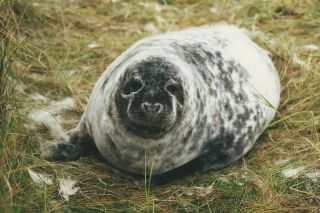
230	117
222	129
201	107
237	125
187	135
198	94
112	147
228	140
244	116
197	57
250	130
212	92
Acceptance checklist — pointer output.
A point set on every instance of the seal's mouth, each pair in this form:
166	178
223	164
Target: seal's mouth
147	130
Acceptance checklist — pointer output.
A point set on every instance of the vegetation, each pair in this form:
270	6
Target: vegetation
59	49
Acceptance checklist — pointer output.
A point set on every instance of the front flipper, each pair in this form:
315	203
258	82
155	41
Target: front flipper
68	148
52	151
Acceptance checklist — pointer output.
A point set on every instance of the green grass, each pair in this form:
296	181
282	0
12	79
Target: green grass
44	49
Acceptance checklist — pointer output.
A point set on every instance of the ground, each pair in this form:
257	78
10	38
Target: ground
60	48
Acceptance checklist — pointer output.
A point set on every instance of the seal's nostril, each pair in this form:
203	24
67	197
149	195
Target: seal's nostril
158	108
144	107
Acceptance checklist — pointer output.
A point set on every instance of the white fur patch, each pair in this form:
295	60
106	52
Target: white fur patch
281	161
314	176
93	45
291	173
40	179
198	191
311	47
67	187
49	116
298	61
38	98
150	27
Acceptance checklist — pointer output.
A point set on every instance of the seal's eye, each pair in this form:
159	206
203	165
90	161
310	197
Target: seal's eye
132	86
176	90
173	88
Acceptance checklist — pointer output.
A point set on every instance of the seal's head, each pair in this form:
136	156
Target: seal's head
150	98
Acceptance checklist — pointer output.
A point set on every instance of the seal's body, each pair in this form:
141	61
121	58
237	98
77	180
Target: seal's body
197	97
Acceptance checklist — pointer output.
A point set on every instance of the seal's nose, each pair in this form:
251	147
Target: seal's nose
151	108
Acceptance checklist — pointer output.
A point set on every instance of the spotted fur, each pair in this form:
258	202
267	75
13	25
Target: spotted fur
230	94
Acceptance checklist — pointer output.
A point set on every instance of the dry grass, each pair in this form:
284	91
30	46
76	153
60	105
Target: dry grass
56	62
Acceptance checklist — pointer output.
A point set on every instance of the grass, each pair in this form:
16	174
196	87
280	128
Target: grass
44	48
6	76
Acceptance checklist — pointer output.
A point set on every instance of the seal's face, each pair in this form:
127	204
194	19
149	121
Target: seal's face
151	97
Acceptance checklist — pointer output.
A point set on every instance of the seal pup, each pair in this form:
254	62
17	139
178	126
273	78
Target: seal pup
184	102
